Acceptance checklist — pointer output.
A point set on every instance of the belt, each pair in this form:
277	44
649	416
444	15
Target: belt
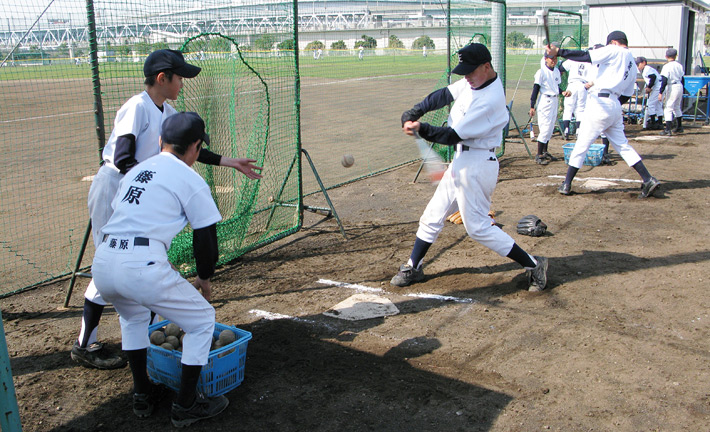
546	95
467	148
137	241
603	95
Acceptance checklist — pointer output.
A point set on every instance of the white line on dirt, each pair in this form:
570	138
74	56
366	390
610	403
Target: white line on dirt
272	316
348	285
419	295
598	178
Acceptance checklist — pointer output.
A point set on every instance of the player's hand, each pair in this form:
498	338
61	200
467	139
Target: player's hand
552	50
566	93
410	127
648	90
660	98
243	165
205	286
532	112
588	85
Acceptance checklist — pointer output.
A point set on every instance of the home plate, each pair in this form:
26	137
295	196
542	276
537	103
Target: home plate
594	184
649	138
362	306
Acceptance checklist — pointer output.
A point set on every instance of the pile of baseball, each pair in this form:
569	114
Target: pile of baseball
170	338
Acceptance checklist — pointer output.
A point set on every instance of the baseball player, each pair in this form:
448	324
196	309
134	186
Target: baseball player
361	53
574	103
654	107
672	88
547	85
154	202
613	86
134	139
475	127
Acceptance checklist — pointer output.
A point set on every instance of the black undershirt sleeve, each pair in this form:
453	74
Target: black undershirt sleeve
436	100
664	82
439	134
124	156
652	80
533	97
208	157
576	55
623	99
204	245
561	68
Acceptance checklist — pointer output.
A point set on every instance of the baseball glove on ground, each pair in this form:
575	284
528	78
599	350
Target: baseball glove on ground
532	225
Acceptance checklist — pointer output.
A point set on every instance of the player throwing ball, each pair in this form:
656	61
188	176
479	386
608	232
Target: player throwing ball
475	128
155	201
613	86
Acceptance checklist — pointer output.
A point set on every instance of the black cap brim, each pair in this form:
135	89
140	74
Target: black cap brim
206	139
464	68
187	70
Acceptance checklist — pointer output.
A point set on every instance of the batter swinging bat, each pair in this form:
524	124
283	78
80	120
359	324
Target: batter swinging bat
433	163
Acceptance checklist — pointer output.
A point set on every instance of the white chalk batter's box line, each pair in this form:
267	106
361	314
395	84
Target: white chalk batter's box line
380	290
583	179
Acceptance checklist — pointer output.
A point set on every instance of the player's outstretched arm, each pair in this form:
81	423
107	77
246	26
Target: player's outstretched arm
243	165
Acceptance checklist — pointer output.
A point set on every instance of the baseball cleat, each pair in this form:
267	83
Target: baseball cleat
537	277
606	160
665	132
649	187
96	356
549	157
202	408
564	189
407	275
540	160
143	404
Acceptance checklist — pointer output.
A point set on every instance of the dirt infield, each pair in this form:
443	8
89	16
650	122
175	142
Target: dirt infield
619	341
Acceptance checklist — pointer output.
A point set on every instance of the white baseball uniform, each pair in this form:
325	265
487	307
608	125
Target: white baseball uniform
673	94
549	82
653	105
155	201
140	117
576	79
478	117
616	76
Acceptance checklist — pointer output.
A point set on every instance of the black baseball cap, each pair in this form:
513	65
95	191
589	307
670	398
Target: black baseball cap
671	52
183	129
617	35
172	60
470	57
640	60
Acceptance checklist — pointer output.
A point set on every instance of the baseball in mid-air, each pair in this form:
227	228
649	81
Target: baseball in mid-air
348	160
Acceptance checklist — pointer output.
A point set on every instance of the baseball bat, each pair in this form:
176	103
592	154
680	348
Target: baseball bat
433	163
546	26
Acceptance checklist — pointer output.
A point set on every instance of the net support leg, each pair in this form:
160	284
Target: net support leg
10	417
325	194
520	133
421	165
76	271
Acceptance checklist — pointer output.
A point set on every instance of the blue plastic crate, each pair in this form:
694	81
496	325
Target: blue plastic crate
223	372
594	155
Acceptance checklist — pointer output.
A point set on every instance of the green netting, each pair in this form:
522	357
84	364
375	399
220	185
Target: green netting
74	63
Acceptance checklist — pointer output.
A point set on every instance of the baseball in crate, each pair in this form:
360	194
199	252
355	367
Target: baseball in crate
224	370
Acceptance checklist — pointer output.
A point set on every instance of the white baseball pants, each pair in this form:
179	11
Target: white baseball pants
653	105
546	116
139	280
103	189
603	115
467	185
674	98
574	104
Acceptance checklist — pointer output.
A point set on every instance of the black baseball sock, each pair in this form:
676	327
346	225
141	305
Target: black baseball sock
521	257
188	385
641	169
669	126
576	130
544	147
418	251
137	360
89	321
571	172
540	148
605	141
565	126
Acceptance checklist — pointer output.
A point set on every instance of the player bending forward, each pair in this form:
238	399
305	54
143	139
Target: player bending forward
155	201
613	86
475	128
